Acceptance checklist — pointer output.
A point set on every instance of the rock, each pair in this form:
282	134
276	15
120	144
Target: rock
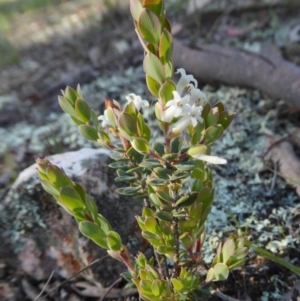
39	237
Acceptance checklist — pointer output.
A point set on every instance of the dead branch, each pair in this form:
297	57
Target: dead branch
215	63
289	163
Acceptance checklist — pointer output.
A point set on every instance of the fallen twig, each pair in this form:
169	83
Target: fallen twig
223	296
289	163
216	63
42	291
73	276
87	290
108	289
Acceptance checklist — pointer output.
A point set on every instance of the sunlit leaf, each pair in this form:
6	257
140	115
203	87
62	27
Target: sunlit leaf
93	232
165	46
166	91
140	145
88	132
114	241
149	26
213	133
70	198
66	106
154	68
128	190
82	110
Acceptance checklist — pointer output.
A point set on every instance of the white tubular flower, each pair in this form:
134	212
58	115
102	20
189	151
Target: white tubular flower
184	81
179	126
196	95
210	159
104	119
195	115
176	107
137	100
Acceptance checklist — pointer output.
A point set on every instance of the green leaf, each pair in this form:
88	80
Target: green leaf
178	175
213	133
162	173
187	200
111	117
165	216
188	165
82	110
177	284
152	85
128	124
71	95
145	286
221	272
103	223
128	190
176	145
147	212
120	165
157	287
88	132
165	46
57	177
66	106
152	226
76	120
114	241
187	225
158	148
236	264
166	91
205	196
197	150
93	232
164	196
148	235
157	182
170	157
169	69
199	173
94	119
206	110
155	200
149	26
228	249
220	107
197	135
129	179
141	221
225	119
154	68
150	163
136	9
70	198
157	6
239	254
91	206
212	117
49	188
117	156
166	250
141	145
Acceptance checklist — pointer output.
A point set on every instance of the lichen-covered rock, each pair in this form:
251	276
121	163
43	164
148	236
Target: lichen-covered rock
39	237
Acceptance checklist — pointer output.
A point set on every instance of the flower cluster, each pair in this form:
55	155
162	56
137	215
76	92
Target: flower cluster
185	108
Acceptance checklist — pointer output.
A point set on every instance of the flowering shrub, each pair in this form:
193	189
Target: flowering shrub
170	177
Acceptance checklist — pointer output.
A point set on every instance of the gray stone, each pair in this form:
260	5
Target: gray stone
38	236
